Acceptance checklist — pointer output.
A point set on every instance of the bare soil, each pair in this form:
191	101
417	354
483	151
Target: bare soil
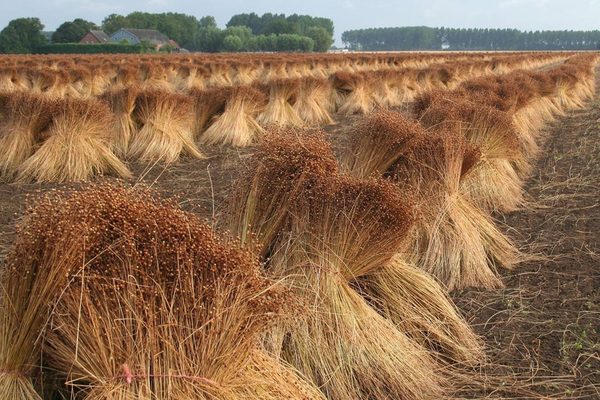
542	331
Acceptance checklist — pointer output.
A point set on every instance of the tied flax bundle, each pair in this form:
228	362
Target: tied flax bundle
150	302
166	123
236	126
339	230
77	145
23	117
496	184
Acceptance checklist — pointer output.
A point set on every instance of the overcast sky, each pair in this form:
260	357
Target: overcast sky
346	14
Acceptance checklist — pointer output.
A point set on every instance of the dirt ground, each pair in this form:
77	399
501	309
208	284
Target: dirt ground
542	331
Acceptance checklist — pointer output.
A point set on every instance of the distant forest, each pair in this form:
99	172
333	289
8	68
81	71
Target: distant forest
425	38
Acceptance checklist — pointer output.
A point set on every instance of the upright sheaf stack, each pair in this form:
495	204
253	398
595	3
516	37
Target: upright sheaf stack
326	234
123	296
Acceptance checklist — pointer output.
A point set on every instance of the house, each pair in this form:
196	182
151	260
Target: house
95	36
135	36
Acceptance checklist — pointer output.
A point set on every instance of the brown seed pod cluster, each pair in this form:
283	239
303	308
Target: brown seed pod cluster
142	298
287	162
378	141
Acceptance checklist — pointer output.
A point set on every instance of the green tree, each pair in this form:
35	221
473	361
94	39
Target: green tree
232	43
208	22
208	40
179	27
242	32
287	42
22	36
113	23
322	38
280	26
306	44
241	20
73	32
267	42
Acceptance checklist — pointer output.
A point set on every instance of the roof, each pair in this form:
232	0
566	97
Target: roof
150	35
100	35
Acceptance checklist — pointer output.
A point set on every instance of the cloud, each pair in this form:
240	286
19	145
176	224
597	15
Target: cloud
512	3
161	3
509	3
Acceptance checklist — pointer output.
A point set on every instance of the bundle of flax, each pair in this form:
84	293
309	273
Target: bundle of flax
154	304
166	123
282	94
313	101
287	162
496	184
455	240
237	126
77	145
121	102
320	230
23	117
339	230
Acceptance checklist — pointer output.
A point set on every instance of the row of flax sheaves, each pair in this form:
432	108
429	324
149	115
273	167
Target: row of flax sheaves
324	277
91	75
48	134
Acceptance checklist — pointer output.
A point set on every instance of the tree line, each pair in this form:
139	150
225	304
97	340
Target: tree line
244	32
269	32
426	38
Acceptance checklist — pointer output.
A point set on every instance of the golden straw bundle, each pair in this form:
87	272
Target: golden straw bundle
121	101
496	184
161	307
416	303
341	229
237	126
454	240
313	101
23	116
166	123
377	142
353	93
397	289
154	76
207	105
78	145
280	108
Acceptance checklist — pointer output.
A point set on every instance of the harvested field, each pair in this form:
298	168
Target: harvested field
542	331
461	262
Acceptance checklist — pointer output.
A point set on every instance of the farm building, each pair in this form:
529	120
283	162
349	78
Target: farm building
95	36
135	36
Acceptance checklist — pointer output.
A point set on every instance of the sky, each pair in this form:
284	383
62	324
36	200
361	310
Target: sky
346	14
